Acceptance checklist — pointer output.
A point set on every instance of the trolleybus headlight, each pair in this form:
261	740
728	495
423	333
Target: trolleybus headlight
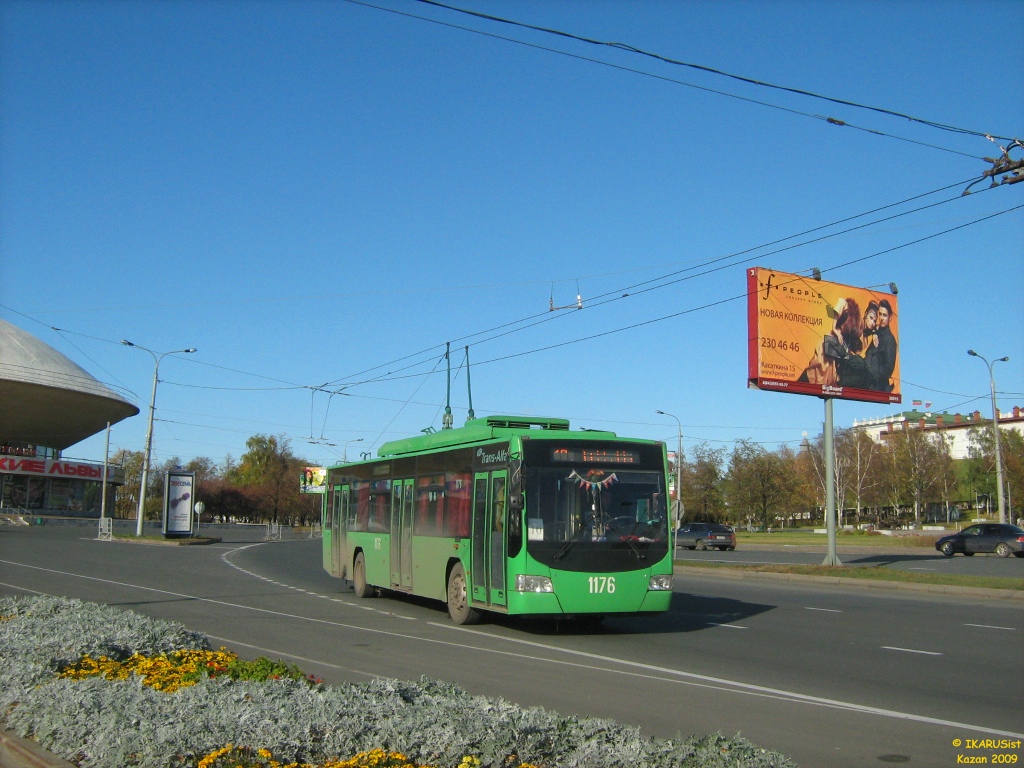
526	583
660	583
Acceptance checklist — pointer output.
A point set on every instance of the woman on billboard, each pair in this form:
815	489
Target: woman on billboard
836	361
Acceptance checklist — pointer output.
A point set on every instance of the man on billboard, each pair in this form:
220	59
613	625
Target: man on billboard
881	351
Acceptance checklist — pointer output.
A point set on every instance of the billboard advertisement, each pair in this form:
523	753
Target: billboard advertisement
179	501
313	480
813	337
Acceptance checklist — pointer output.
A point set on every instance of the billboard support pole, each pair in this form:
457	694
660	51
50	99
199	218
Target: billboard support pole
830	485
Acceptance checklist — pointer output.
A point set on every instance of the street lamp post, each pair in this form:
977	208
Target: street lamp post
679	467
995	429
149	431
344	451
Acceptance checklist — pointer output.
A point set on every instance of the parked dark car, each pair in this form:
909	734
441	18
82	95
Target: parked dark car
1000	538
704	535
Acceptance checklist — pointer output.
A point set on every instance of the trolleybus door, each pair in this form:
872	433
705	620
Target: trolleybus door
401	533
490	494
339	525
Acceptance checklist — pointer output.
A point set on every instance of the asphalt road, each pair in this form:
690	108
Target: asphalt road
831	676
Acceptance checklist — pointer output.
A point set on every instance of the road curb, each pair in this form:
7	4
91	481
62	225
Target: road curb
940	589
16	752
193	542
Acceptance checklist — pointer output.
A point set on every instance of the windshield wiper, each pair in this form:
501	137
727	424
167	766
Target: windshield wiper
636	551
564	550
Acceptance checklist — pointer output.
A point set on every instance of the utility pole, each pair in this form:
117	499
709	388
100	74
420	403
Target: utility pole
679	469
995	430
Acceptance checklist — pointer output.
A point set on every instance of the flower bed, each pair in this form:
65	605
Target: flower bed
94	685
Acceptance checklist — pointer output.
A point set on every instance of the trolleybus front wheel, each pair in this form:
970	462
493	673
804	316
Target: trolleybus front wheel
458	598
359	578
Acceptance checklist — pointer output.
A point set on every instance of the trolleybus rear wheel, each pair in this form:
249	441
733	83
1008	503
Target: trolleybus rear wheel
359	578
458	598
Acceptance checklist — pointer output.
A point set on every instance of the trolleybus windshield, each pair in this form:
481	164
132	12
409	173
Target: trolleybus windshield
601	519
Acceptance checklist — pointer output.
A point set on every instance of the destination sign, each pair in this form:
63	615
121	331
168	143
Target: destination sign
581	455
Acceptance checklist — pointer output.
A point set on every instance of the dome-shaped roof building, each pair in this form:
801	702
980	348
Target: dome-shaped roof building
48	399
47	404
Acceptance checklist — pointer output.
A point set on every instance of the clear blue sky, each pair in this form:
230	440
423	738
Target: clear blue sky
308	191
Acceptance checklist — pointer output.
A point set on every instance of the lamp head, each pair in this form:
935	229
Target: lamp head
972	353
662	413
127	343
893	289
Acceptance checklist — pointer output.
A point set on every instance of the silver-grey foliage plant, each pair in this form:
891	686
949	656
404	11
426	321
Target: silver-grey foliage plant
97	723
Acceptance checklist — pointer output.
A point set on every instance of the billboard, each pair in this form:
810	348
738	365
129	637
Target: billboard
179	498
813	337
313	480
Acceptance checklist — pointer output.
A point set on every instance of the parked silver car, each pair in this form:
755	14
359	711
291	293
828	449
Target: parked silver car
704	535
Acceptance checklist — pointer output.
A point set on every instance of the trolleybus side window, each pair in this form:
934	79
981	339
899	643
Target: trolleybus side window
373	508
430	499
360	491
333	509
380	507
459	502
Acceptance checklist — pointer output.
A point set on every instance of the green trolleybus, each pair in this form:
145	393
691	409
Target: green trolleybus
509	515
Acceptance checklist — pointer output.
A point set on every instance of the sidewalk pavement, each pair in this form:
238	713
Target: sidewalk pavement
25	753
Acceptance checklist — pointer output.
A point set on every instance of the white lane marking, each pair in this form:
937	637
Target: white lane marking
649	671
368	674
910	650
225	560
731	626
23	589
823	610
990	626
912	568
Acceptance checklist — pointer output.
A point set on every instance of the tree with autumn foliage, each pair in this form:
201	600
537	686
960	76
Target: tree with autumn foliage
126	500
760	484
703	484
268	473
855	462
